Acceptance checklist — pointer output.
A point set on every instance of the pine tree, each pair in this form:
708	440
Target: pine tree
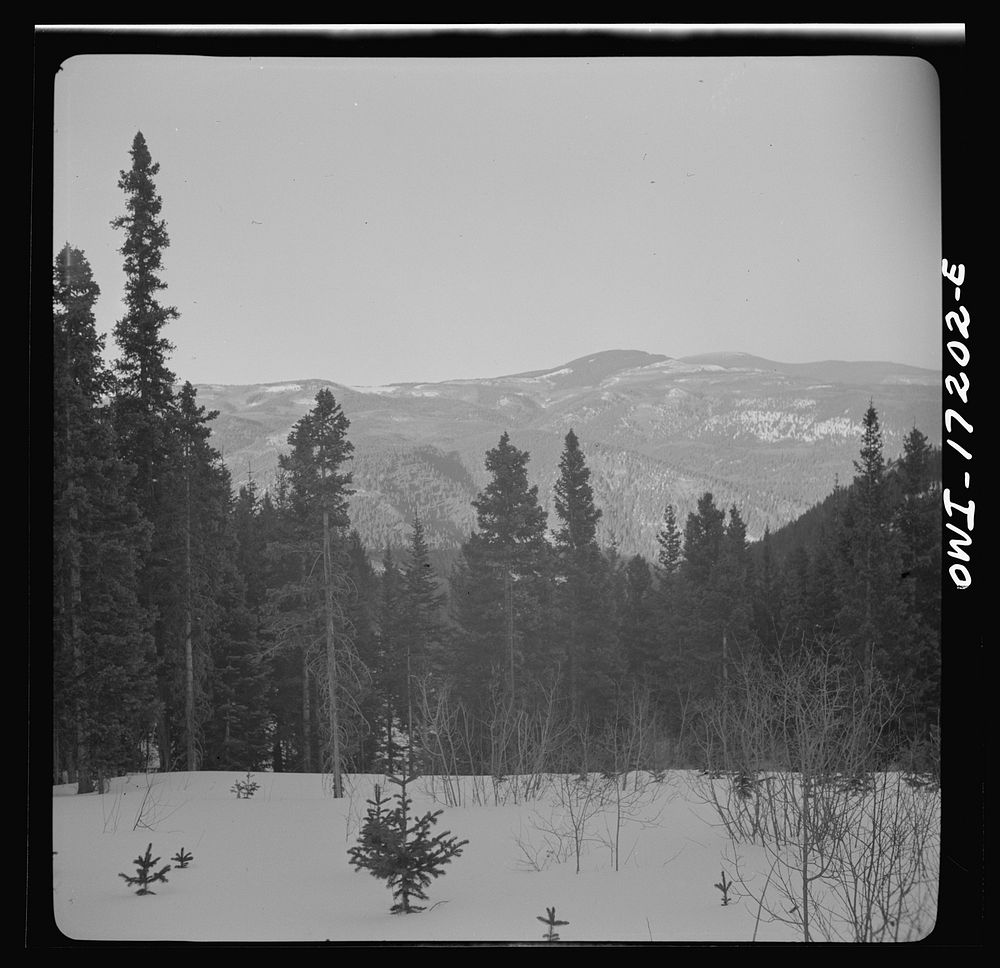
144	873
824	584
670	597
423	633
102	697
400	851
143	403
584	597
181	486
293	624
144	392
551	923
871	596
795	571
390	671
363	618
424	603
508	514
671	542
703	537
867	519
476	654
319	492
699	623
200	597
574	499
237	735
917	520
732	584
768	608
639	630
499	607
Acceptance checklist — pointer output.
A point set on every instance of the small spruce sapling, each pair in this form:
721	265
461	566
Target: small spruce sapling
245	789
402	853
724	886
552	923
144	875
183	858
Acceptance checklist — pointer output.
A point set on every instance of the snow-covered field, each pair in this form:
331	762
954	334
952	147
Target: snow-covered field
275	867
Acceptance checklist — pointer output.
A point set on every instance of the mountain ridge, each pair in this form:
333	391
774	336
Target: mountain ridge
771	438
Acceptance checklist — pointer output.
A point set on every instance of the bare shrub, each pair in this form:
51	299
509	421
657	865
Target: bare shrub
567	828
439	742
150	811
546	843
502	754
111	805
795	750
627	745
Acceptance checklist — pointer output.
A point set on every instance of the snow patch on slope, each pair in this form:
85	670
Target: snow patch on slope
772	426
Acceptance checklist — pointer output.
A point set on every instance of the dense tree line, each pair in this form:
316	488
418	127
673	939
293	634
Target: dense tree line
195	628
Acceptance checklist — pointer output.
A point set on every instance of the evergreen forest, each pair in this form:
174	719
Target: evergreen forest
195	628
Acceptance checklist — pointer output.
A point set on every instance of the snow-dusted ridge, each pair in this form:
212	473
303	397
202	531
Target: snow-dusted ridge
385	390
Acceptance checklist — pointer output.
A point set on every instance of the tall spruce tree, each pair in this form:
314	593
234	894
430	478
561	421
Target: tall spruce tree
319	495
424	603
574	499
586	616
144	390
732	584
363	615
867	520
795	580
639	630
671	543
824	586
768	597
143	403
871	595
669	610
102	689
424	632
202	593
918	524
703	538
237	735
498	583
700	624
390	672
292	627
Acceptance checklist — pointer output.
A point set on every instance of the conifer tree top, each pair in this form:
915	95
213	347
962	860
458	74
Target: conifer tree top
871	440
142	365
703	535
870	467
77	345
508	511
574	498
670	542
319	448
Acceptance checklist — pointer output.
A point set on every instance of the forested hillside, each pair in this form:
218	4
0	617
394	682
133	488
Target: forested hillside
772	438
305	622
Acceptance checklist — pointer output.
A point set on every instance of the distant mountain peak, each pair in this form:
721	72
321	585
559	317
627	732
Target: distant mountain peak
590	370
767	436
623	359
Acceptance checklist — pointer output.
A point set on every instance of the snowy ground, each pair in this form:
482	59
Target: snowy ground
275	867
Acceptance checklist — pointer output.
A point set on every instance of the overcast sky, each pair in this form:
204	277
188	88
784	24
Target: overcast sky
376	221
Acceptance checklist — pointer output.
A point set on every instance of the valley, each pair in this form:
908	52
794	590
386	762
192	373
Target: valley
772	438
